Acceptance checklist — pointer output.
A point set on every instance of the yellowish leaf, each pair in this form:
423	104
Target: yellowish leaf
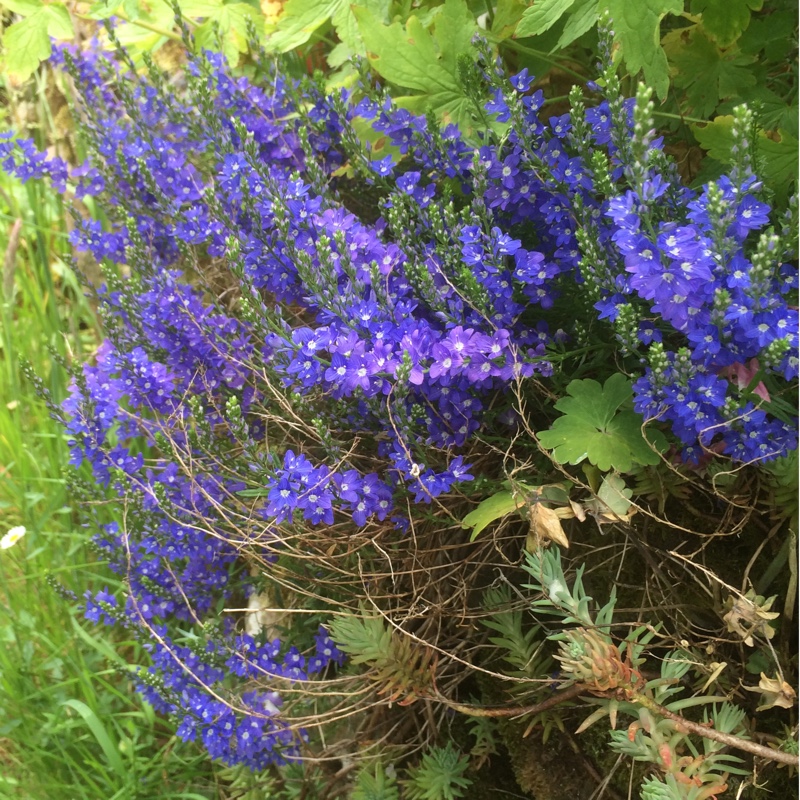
545	527
776	693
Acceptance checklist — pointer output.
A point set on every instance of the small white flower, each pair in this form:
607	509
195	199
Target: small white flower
12	537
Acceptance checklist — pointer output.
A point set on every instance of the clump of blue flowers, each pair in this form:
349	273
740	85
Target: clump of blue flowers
315	333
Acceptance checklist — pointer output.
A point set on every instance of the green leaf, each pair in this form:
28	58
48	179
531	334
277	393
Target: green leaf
231	21
160	15
615	495
637	27
725	20
404	57
300	20
59	24
583	16
506	16
23	7
716	138
777	153
95	725
541	16
454	28
779	162
596	405
103	9
594	429
26	44
200	8
422	60
705	72
494	507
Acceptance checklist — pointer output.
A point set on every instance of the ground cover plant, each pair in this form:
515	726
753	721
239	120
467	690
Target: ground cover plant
344	343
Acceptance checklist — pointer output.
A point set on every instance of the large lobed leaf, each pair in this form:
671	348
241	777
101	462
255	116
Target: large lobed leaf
423	60
594	428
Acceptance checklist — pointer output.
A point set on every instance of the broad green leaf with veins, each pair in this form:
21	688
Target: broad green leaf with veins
506	16
726	20
22	7
424	61
27	43
778	153
583	15
637	27
707	73
300	19
593	428
541	16
232	22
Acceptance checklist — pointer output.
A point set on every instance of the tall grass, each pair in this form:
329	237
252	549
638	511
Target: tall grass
70	726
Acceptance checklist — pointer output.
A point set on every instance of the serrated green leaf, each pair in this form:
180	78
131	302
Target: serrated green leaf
494	507
506	16
23	7
300	20
725	20
583	16
453	30
779	162
766	35
541	16
595	404
59	24
594	429
103	9
771	110
26	44
159	15
715	137
777	153
615	494
200	8
232	23
637	27
422	60
705	72
406	57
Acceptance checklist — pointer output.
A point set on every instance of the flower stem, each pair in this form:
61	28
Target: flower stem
717	736
570	693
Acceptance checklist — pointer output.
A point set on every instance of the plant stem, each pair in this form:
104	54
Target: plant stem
521	48
577	689
717	736
140	24
570	693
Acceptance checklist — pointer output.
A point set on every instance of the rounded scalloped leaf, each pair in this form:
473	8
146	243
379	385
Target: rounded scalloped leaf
594	429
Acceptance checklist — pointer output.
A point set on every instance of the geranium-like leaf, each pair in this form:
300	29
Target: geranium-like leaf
582	16
26	44
541	16
637	27
593	428
726	20
777	151
423	60
707	73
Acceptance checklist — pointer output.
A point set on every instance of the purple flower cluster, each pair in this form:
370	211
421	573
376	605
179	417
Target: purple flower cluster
279	362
